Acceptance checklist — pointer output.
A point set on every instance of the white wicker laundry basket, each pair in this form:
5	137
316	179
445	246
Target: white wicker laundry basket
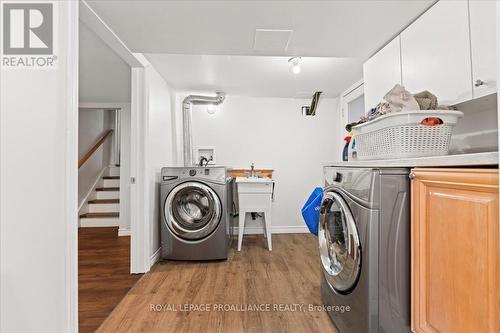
402	135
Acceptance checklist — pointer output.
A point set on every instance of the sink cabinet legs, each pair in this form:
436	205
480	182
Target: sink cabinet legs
267	228
241	228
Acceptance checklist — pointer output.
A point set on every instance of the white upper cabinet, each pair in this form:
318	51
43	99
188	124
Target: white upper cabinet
381	72
435	53
483	41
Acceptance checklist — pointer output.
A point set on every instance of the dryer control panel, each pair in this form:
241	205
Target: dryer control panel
356	181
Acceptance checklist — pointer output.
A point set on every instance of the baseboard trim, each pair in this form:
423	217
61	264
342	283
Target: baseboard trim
155	257
275	230
124	232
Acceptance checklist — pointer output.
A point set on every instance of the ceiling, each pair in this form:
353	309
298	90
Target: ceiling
320	28
257	76
169	31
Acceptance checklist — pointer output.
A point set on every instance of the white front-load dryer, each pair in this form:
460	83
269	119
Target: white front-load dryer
196	222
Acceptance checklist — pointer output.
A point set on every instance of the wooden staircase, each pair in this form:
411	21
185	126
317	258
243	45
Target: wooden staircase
103	206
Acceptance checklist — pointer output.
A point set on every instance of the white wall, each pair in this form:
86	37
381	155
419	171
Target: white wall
125	147
104	76
159	146
477	130
92	124
271	132
38	177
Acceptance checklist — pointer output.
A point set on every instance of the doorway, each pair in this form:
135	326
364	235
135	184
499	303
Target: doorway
104	150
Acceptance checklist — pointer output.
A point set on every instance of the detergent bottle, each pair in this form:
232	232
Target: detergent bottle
345	152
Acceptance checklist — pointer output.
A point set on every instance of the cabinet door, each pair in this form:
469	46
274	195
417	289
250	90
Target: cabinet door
455	251
381	72
435	53
483	42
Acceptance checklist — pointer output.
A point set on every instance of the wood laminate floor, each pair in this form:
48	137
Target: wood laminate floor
288	275
103	274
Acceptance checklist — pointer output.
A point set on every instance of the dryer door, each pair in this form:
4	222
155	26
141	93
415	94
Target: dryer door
192	210
339	244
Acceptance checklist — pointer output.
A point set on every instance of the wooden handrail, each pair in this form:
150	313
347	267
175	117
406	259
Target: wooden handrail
94	148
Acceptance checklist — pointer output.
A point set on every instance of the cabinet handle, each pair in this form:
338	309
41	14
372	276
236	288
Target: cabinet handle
479	83
412	176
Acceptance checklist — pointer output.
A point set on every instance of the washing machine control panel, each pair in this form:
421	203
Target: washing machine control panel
209	173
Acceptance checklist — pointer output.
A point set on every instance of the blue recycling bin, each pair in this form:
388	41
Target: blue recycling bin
310	211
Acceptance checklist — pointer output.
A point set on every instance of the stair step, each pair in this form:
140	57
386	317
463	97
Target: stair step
110	183
108	195
104	201
99	215
111	177
114	171
99	189
102	222
104	207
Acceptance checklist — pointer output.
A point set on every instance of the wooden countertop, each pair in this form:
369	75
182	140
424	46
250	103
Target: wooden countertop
244	172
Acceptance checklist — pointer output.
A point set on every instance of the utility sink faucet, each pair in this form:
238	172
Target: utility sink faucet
252	171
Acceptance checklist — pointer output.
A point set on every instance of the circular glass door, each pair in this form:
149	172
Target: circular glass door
339	244
192	210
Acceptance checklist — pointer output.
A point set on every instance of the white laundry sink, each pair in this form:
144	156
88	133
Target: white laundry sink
253	180
254	184
255	195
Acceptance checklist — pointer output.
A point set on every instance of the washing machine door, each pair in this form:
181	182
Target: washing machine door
192	210
339	243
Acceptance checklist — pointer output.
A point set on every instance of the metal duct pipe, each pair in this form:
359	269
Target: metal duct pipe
314	103
187	118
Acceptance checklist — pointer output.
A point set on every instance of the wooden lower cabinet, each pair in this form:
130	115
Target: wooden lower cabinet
455	251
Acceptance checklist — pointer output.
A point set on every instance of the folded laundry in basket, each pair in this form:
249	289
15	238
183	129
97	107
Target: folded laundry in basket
401	99
446	107
397	99
426	100
381	109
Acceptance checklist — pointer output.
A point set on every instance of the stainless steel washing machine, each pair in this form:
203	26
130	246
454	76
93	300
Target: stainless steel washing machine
364	243
196	205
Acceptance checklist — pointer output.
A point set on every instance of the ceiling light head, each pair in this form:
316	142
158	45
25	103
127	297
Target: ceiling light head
295	62
211	109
